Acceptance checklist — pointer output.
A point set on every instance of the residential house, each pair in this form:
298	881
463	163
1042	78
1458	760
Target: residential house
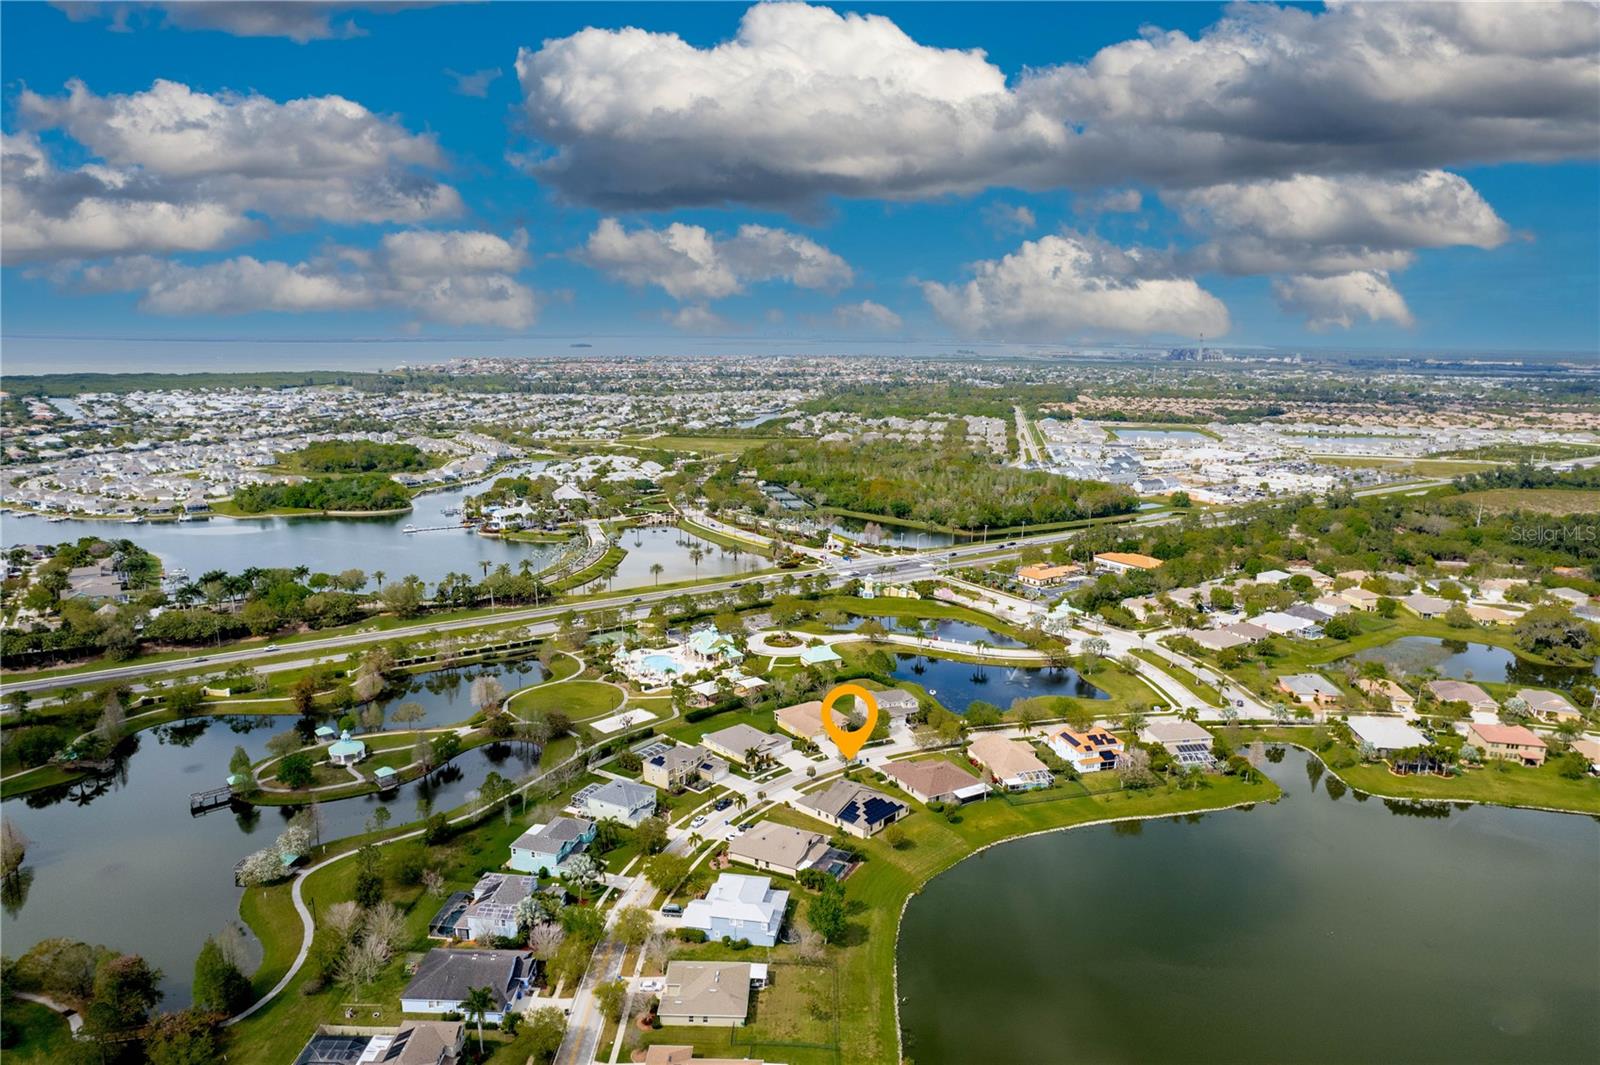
1491	615
1331	606
1552	706
1425	606
1385	735
936	780
412	1043
1010	763
1461	691
675	768
1040	575
1401	700
1360	598
1217	639
1187	742
1272	576
445	978
1310	689
1283	623
778	848
896	703
1088	751
739	907
1513	743
706	993
621	800
1589	749
1123	561
547	847
493	909
802	720
737	741
856	808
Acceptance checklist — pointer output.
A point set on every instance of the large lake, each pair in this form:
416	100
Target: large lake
120	861
1319	929
330	545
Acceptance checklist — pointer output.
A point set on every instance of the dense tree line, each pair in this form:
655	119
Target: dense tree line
944	484
359	456
367	491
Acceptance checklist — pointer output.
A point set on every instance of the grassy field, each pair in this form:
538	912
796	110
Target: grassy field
580	700
1558	501
709	445
1500	783
1416	467
1206	692
43	1035
794	1020
1528	452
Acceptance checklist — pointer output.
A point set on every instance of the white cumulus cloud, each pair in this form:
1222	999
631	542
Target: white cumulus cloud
459	278
1058	286
689	263
1341	300
1315	224
805	102
867	314
180	170
300	21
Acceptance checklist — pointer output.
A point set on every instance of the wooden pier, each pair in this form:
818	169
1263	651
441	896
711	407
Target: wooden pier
202	801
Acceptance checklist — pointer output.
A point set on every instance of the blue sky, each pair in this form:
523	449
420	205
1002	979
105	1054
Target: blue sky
1099	173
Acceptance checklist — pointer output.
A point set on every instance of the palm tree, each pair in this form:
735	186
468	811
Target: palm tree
479	1001
377	578
656	569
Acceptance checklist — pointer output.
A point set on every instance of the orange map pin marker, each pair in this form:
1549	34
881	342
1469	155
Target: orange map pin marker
849	743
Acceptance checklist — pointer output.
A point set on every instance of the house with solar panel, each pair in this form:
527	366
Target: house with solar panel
855	808
493	910
1187	742
1088	751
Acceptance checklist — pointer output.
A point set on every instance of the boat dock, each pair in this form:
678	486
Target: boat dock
202	801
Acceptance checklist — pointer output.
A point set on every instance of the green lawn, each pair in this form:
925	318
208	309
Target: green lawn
580	700
1206	692
1499	783
795	1020
44	1038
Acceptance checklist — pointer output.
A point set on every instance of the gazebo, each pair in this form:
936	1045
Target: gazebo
347	751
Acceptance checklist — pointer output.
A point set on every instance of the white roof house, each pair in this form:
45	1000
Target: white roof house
740	907
1384	734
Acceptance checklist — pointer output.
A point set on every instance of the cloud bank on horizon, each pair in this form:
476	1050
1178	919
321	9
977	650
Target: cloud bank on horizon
1317	155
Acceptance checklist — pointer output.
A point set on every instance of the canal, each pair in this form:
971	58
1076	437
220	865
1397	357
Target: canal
957	685
1324	928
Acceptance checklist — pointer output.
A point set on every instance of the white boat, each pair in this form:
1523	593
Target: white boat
135	520
54	518
185	517
410	529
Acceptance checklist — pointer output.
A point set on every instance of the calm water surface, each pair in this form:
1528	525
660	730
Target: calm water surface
958	685
328	545
1317	930
120	861
668	547
946	629
1461	660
